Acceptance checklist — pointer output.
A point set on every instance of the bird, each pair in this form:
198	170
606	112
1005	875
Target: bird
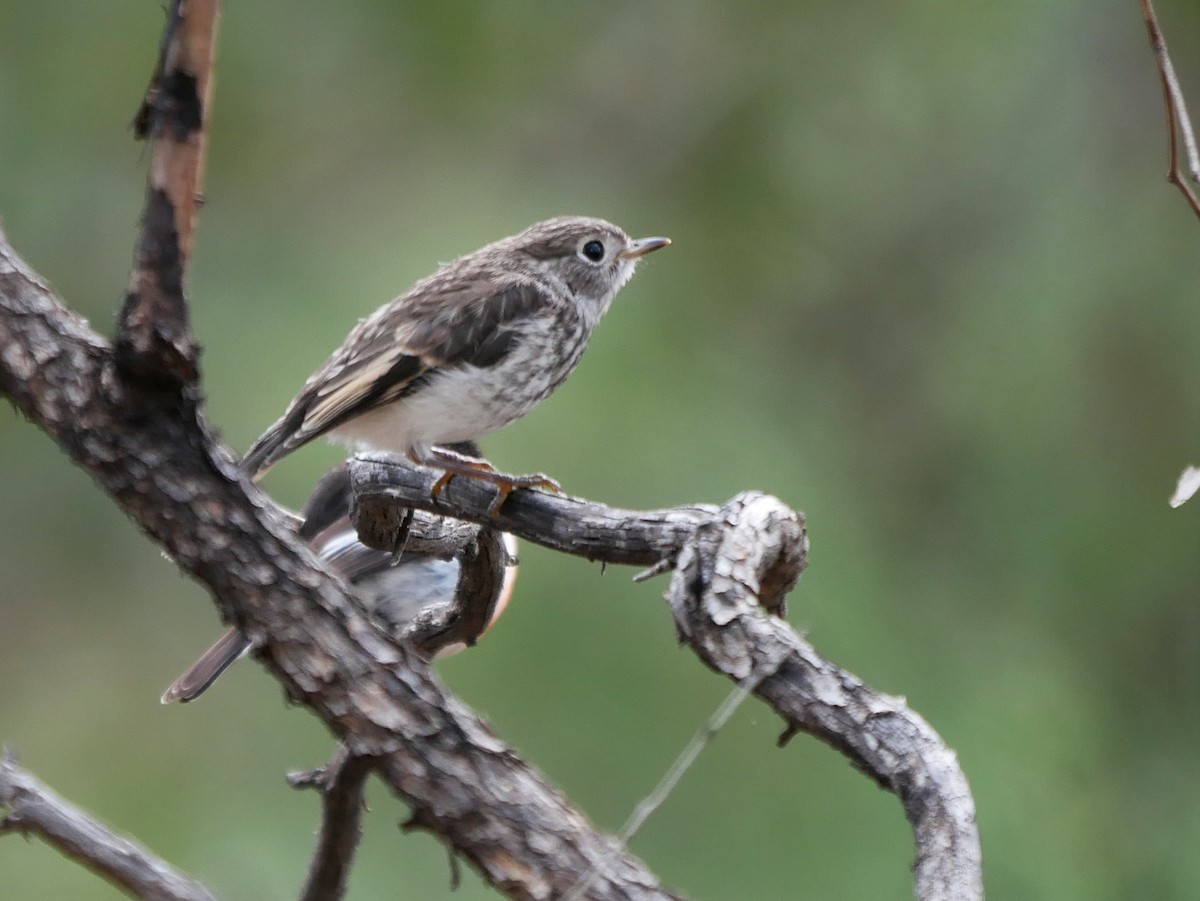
464	352
396	592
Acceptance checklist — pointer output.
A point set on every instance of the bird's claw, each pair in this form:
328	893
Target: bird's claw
505	484
509	484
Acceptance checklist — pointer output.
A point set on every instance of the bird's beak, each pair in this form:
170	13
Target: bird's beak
643	246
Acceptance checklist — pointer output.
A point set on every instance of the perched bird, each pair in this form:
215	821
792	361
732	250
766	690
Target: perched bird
395	592
464	352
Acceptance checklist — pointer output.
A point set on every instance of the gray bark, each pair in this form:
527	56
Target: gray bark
130	414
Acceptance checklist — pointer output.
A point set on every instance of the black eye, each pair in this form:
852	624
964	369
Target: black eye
594	251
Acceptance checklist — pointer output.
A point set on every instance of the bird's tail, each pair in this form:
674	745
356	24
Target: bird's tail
201	674
276	442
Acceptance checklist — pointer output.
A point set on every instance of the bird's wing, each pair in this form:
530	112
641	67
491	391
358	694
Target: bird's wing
452	318
327	528
328	505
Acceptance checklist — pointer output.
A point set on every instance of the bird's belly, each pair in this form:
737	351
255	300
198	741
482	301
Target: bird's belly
468	402
461	403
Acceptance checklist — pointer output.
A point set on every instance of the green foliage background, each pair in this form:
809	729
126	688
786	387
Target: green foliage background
928	285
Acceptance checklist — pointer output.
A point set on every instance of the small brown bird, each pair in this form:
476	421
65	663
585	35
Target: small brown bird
464	352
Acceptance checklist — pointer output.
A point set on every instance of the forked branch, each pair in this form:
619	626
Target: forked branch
152	453
130	414
731	566
341	783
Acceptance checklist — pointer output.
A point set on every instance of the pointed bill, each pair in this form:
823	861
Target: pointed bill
643	246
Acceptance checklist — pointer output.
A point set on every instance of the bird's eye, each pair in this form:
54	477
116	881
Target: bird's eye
594	251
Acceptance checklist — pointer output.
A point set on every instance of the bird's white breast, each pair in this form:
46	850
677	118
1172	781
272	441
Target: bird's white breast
464	402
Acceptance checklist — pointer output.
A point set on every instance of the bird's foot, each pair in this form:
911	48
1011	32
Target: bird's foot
506	484
459	465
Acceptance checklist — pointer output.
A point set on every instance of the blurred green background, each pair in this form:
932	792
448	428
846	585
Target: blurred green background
928	285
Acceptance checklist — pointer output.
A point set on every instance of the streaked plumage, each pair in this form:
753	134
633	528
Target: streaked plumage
465	351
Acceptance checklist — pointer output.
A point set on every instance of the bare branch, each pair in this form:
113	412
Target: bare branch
675	773
1178	121
480	582
712	597
154	340
130	415
595	532
731	563
341	784
34	809
175	111
155	456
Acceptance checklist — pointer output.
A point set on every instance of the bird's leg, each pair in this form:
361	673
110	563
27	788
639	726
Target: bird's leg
456	464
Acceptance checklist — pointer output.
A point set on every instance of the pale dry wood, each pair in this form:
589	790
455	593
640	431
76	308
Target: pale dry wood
154	339
130	415
149	448
34	809
732	565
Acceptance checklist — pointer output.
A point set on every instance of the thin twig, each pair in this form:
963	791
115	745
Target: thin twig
687	757
1178	121
341	783
34	809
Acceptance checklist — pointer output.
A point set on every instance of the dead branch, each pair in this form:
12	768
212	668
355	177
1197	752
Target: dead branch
154	339
151	451
1179	124
341	783
731	565
33	809
130	414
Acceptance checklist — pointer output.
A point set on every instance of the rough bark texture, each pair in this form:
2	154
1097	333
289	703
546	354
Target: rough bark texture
731	565
33	809
560	522
130	414
482	558
151	451
341	784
